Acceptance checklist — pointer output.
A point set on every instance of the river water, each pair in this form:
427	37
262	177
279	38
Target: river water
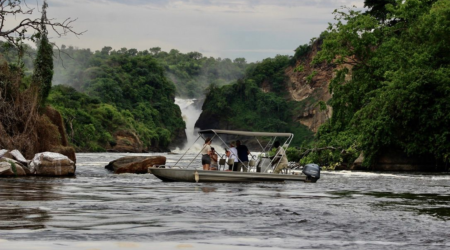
343	210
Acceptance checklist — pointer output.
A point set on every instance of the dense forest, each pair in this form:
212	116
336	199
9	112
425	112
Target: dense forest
397	54
104	92
191	72
245	105
390	90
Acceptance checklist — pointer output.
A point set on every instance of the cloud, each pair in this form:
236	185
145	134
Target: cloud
254	29
230	3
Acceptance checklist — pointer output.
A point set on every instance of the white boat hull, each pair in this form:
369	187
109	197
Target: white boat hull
193	175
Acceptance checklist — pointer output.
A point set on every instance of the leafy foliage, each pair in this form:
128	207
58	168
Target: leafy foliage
398	93
270	72
43	65
245	106
126	91
132	85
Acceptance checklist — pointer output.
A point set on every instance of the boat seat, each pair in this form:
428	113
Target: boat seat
222	162
252	165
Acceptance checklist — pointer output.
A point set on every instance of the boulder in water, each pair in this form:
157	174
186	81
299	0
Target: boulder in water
126	141
67	151
357	164
19	157
52	164
3	152
135	164
10	167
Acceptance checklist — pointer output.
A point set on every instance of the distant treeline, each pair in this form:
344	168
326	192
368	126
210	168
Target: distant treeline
191	72
100	93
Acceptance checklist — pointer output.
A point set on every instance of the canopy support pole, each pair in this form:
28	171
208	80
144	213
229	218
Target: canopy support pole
187	151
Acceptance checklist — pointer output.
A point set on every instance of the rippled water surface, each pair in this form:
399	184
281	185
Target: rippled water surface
343	210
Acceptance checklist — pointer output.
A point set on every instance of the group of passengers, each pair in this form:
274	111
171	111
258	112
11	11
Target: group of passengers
239	155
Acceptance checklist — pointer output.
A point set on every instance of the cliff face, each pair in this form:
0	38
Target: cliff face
308	85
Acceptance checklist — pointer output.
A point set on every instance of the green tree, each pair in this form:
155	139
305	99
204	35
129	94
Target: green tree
43	66
378	8
395	94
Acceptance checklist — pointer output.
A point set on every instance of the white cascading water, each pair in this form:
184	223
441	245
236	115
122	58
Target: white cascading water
190	116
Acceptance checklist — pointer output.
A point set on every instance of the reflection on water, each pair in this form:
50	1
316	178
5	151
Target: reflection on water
208	189
342	211
14	192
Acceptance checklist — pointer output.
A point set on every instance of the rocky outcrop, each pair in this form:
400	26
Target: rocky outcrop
179	139
135	164
397	161
308	85
357	164
127	141
211	121
18	157
12	163
56	118
394	160
52	164
11	167
67	151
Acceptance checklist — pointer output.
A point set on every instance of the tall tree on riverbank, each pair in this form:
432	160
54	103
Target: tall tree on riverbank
43	66
21	126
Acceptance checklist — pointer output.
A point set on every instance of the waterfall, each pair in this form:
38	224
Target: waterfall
190	114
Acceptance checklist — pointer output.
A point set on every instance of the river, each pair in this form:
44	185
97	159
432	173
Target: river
343	210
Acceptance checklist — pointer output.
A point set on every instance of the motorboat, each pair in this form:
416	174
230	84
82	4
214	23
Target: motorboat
260	165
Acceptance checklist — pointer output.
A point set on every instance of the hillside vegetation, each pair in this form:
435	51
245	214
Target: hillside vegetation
106	92
390	91
249	105
397	96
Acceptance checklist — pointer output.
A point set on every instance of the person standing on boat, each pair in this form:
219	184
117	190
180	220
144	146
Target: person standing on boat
243	153
280	156
214	157
234	156
206	152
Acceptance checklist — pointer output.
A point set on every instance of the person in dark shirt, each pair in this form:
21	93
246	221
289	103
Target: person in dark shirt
243	153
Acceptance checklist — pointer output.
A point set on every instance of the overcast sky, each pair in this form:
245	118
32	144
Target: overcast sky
253	29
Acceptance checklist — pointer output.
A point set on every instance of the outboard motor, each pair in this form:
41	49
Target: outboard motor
312	172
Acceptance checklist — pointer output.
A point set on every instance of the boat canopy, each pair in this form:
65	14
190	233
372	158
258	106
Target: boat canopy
218	132
244	133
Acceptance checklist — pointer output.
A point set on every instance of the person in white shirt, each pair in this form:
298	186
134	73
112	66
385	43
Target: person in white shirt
234	156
